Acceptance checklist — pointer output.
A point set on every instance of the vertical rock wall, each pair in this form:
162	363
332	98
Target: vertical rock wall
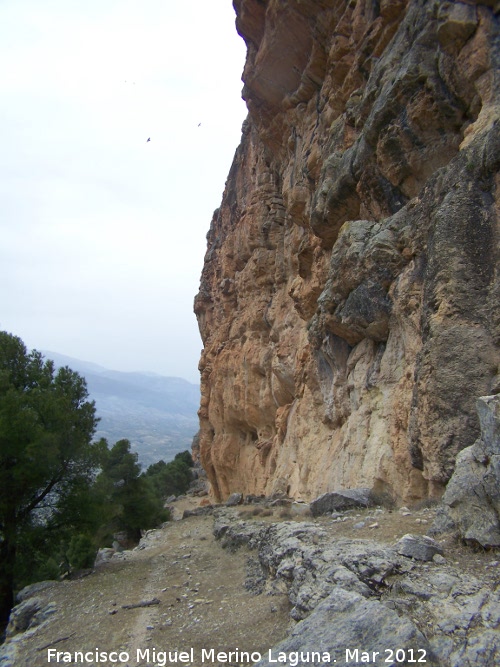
349	301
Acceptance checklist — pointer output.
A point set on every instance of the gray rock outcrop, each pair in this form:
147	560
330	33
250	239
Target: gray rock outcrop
357	622
234	499
104	556
32	589
419	547
29	614
339	501
365	594
471	503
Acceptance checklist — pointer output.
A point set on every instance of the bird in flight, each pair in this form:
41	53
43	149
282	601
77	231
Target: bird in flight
148	139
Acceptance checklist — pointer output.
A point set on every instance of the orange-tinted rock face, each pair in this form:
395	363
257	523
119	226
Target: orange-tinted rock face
349	302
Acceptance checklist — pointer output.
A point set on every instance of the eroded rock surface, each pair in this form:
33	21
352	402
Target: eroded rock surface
471	503
349	298
349	593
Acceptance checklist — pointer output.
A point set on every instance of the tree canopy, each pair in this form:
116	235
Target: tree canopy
46	455
171	478
61	495
130	502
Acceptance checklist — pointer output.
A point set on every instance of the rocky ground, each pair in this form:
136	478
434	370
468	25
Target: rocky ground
268	578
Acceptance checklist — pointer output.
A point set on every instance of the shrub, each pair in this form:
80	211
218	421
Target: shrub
81	552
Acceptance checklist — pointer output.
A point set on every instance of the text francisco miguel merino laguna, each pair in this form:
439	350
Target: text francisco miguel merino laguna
291	658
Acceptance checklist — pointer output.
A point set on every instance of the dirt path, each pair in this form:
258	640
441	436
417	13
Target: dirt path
203	603
198	593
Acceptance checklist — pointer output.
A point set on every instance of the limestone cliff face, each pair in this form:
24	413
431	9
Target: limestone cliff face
349	301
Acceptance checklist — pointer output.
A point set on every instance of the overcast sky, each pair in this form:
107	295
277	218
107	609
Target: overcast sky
102	232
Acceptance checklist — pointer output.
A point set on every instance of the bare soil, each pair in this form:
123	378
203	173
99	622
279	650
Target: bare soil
202	602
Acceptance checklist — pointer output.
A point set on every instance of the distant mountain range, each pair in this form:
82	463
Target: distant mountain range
156	413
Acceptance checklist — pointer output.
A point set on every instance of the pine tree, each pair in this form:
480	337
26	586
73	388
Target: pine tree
46	456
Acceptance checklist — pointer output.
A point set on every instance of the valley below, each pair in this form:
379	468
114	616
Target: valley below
158	414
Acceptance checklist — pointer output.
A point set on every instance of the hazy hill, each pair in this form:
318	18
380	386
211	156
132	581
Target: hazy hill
156	413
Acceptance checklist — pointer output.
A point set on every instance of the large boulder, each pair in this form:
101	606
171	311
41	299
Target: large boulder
340	501
234	499
471	503
104	556
419	547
